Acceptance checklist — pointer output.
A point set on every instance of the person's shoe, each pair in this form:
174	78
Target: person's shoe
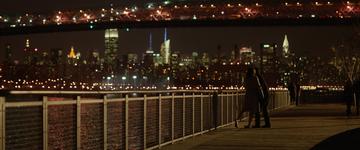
256	126
246	126
266	126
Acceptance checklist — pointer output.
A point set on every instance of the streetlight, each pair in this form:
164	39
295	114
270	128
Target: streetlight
108	81
168	81
123	78
134	77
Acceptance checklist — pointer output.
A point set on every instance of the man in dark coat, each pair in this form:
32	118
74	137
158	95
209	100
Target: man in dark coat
215	108
357	93
348	96
297	92
264	101
292	91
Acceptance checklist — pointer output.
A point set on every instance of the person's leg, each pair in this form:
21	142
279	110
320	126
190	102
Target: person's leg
296	99
348	107
215	117
357	105
266	117
257	120
251	116
237	117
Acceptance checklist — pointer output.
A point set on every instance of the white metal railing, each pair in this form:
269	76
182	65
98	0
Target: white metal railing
232	98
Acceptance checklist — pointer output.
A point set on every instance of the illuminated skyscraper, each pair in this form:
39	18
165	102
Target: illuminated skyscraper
28	52
27	44
287	62
269	63
8	53
150	49
73	57
111	45
165	49
268	58
56	56
148	57
286	51
31	54
247	56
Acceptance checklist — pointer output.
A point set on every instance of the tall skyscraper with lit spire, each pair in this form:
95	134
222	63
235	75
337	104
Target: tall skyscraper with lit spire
32	55
285	46
150	49
111	46
165	49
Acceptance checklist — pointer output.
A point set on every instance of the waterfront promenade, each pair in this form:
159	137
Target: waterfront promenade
317	126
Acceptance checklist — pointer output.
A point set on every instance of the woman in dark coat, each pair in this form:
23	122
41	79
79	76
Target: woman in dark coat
264	100
252	95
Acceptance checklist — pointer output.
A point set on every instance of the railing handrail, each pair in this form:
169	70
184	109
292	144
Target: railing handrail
115	92
64	92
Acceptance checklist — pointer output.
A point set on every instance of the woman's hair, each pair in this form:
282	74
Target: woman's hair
257	71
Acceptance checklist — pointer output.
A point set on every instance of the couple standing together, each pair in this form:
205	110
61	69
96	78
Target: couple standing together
256	98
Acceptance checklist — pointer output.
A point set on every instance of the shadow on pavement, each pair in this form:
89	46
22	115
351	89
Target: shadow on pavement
348	140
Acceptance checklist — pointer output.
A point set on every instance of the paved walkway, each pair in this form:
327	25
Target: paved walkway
298	128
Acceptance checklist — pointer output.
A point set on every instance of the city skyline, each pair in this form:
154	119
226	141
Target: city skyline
304	40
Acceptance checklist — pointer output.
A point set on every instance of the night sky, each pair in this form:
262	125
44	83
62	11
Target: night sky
305	40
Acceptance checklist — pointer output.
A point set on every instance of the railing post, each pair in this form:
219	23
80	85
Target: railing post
78	122
232	106
172	117
210	113
202	113
274	96
184	115
145	116
2	124
222	108
237	106
126	121
45	122
227	107
105	121
193	114
288	98
159	121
